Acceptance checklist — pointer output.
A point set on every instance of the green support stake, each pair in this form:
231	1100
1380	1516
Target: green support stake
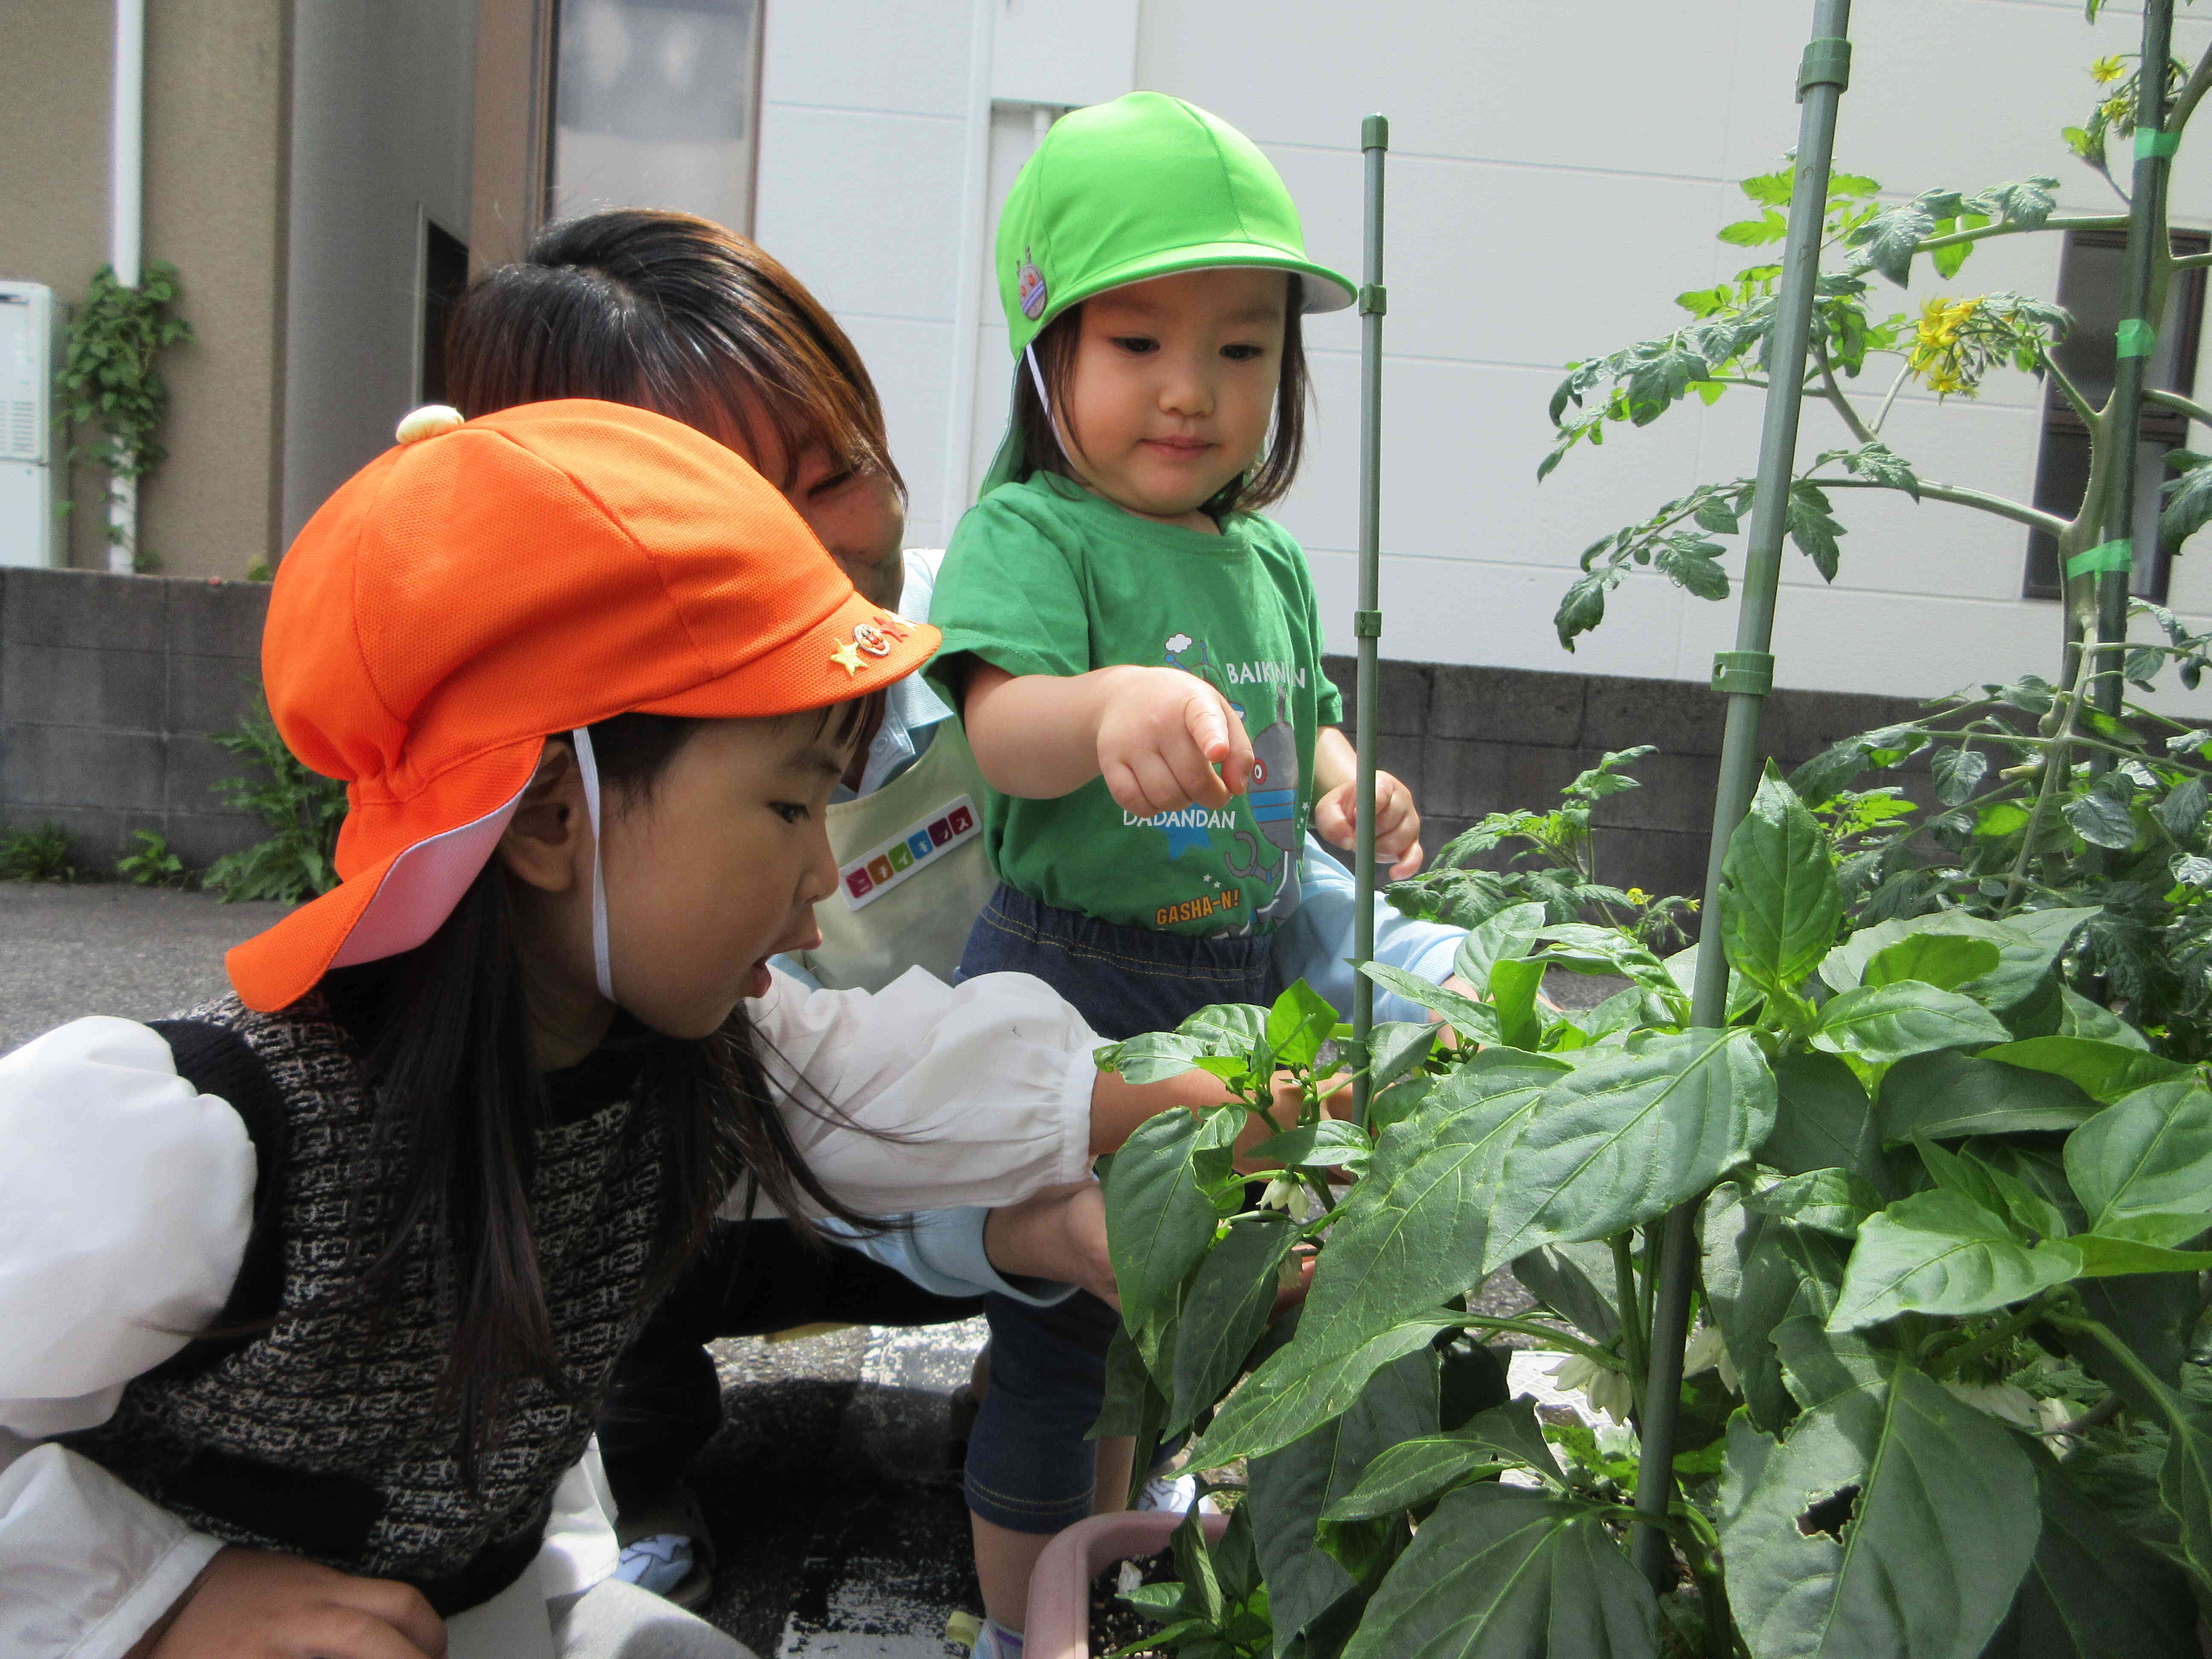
1744	674
2138	338
1367	621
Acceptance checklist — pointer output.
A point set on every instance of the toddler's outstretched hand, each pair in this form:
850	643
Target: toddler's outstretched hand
252	1604
1397	824
1160	736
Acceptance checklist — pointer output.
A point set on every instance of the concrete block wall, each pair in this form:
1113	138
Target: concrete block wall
1470	741
110	687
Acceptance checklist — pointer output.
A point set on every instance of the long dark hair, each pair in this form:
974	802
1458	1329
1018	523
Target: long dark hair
444	1035
676	314
1250	491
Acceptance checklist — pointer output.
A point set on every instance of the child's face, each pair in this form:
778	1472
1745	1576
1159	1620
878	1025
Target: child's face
1174	386
720	869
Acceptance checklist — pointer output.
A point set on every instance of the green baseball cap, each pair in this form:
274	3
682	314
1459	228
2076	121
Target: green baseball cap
1141	188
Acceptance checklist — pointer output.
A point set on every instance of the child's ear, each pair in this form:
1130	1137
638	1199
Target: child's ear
547	837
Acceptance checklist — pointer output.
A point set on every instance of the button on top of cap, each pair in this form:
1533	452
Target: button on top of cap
430	421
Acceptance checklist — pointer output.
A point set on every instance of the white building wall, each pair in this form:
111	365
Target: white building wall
1557	173
383	126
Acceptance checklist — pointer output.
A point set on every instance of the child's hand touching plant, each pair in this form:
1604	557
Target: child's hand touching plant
1156	735
1336	814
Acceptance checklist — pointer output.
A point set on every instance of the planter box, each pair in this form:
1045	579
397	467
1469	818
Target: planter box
1060	1588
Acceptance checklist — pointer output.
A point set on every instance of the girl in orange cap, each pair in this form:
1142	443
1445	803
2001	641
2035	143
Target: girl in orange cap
308	1295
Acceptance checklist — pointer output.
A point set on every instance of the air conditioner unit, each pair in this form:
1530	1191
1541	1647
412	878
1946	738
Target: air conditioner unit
30	346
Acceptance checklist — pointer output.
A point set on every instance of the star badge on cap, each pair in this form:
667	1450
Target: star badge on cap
847	658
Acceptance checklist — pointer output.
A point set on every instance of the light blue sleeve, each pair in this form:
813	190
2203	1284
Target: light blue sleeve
1315	944
942	1251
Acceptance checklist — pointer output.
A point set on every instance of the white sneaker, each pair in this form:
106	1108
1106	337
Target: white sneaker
1173	1493
658	1564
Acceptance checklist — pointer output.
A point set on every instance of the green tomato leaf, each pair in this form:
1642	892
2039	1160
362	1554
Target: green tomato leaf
2105	1070
1939	1252
1625	1137
1780	907
2143	1168
2101	820
1880	1023
1895	1520
1959	771
1944	961
1501	1570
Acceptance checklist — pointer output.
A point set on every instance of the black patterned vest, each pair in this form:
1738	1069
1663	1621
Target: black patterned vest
322	1435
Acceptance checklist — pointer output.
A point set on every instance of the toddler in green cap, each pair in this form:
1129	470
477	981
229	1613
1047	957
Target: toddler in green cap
1136	655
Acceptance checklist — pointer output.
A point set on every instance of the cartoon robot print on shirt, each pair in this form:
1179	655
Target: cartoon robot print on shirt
1272	796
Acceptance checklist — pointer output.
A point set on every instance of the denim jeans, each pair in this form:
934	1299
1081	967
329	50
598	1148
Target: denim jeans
1030	1468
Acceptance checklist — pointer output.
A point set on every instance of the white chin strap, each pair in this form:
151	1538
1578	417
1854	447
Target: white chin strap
1036	376
589	768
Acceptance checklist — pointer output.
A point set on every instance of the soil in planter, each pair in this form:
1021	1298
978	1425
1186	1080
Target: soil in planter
1114	1625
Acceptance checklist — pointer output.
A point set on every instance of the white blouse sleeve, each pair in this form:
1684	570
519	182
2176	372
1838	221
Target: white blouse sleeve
923	1096
126	1198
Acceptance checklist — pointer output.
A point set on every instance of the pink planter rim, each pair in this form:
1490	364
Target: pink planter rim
1060	1588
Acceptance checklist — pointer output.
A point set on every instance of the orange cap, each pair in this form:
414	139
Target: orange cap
532	571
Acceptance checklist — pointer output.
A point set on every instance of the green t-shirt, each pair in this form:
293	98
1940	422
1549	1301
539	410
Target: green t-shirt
1043	577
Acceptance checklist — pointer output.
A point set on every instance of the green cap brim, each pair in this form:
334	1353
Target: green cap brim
1322	289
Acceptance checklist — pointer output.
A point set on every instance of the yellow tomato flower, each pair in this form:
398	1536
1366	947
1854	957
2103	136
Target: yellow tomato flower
2106	71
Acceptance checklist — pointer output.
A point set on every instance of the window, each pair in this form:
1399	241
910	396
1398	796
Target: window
2089	287
656	105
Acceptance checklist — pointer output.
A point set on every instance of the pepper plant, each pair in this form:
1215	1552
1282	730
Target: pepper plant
1947	1212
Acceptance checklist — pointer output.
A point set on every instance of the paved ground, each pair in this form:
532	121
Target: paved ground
833	1490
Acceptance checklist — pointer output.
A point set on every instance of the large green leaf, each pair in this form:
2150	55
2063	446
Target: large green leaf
2027	944
1756	1268
1822	1120
1498	1572
1225	1311
1576	1280
2184	1485
1895	1520
1159	1220
1940	1252
2113	1258
1475	1021
2092	1592
1509	934
1944	961
1289	1489
1226	1030
1624	1139
1832	1201
1514	983
1879	1024
1299	1023
2142	1167
1945	1096
1415	1471
1409	1239
2103	1070
1781	906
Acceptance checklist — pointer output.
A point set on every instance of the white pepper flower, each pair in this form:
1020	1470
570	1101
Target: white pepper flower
1280	1193
1709	1350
